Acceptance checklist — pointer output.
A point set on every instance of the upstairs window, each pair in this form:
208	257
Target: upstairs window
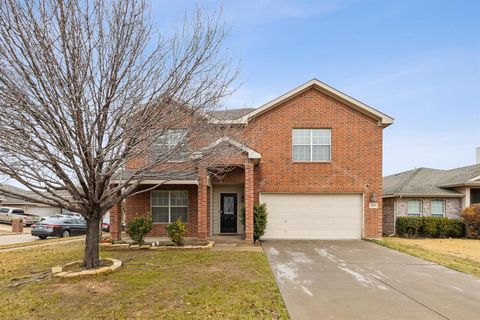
437	208
414	208
173	145
312	145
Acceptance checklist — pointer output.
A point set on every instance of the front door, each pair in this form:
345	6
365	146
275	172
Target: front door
228	212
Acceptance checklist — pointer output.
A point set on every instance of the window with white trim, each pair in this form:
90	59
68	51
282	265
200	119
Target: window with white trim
312	145
173	141
414	207
437	208
168	206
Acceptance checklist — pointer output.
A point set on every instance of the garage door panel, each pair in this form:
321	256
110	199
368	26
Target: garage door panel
313	216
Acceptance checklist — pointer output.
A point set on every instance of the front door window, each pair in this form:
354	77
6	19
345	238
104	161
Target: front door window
228	212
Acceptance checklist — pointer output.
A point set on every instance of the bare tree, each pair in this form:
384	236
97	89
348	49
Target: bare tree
87	87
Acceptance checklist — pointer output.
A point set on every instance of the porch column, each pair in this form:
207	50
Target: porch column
116	222
202	204
248	201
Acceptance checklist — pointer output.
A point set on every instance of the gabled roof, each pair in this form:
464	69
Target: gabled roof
252	154
431	182
230	114
383	119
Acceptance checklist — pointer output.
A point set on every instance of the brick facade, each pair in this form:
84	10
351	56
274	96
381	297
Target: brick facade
397	207
139	205
356	165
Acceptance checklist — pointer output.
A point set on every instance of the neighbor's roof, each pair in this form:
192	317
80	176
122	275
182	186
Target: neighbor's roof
6	199
243	116
431	182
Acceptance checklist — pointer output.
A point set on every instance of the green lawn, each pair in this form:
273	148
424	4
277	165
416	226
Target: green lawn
151	284
459	254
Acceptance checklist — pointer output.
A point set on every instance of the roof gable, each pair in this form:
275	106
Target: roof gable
383	119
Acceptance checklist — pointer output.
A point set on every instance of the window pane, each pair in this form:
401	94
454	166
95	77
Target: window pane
301	153
160	198
160	214
301	136
179	198
321	153
438	207
414	207
179	212
321	136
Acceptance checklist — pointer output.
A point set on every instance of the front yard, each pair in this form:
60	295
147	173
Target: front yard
458	254
151	284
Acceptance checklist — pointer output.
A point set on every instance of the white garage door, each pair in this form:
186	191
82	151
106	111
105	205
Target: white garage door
313	216
43	211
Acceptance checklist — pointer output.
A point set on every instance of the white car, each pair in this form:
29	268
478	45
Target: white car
8	214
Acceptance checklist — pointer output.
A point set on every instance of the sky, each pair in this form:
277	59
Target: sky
417	61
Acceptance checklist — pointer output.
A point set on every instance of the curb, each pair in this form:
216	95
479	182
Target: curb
57	271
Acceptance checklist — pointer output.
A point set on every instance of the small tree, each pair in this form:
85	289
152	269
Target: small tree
259	219
176	230
471	218
138	228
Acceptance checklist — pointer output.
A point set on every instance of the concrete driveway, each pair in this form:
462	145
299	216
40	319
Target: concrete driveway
362	280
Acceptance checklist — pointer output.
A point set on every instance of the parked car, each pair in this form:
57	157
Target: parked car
59	227
106	223
8	214
73	215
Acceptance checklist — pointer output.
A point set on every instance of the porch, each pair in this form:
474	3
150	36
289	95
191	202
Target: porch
210	205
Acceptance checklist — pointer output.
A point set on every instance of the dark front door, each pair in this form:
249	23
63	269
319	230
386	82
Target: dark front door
474	196
228	212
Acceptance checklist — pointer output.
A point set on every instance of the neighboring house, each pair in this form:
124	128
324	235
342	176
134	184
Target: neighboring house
314	156
429	192
31	207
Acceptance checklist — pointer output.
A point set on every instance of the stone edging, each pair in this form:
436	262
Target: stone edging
58	270
128	246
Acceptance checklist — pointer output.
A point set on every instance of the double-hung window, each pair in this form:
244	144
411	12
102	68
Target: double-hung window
312	145
437	208
414	208
168	206
172	145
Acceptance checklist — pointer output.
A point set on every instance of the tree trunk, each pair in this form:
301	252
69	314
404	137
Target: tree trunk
91	258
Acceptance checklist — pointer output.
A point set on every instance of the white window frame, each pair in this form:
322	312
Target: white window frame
439	215
169	205
415	214
311	144
169	146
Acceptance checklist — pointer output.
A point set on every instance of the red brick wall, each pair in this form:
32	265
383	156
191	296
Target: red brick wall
356	164
139	205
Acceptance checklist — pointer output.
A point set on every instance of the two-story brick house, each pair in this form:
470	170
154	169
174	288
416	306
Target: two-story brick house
313	155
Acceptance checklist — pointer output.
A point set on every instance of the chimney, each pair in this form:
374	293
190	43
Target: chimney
478	155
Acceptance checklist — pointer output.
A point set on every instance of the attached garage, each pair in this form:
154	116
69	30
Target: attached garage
313	215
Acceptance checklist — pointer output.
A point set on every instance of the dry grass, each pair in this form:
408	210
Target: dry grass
459	254
198	284
462	248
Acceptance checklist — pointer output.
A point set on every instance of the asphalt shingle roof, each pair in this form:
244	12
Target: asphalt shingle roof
429	182
230	114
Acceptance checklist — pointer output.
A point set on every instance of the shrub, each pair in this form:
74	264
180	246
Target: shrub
429	227
138	228
259	219
176	230
471	217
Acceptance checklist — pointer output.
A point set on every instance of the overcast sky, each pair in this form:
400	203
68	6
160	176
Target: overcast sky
418	61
